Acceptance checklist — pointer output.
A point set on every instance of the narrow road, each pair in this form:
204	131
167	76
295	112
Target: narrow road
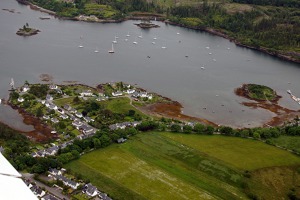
53	190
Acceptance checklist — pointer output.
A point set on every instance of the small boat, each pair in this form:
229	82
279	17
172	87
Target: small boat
178	33
289	92
163	47
128	34
80	46
209	53
96	51
153	42
112	48
186	56
228	48
126	39
116	37
202	67
134	42
207	47
42	18
154	38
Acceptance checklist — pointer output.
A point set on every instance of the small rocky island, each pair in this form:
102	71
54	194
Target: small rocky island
27	31
147	24
257	92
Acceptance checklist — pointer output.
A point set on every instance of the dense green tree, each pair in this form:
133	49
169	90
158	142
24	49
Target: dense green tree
187	129
199	128
175	128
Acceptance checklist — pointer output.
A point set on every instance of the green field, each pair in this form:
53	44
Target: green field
179	166
238	152
289	142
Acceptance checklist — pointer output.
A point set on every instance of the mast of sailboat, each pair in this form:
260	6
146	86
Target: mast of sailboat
12	84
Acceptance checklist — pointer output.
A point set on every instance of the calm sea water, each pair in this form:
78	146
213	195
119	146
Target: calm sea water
168	71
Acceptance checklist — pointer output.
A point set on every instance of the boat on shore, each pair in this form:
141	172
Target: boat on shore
43	18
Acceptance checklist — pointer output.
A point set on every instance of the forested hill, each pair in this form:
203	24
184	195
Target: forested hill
287	3
269	25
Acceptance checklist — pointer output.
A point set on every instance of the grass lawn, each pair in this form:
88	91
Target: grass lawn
120	105
63	101
290	142
244	154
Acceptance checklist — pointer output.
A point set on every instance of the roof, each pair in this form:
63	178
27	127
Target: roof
49	197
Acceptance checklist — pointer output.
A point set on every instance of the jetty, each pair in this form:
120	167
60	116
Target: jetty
293	97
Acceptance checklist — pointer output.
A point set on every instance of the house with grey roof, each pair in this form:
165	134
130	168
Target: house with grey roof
88	119
54	120
63	116
52	150
121	140
49	97
78	114
67	107
103	196
90	190
49	197
54	171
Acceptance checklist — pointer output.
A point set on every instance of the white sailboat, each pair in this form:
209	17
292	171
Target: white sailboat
81	46
96	51
112	48
128	34
141	36
135	42
154	38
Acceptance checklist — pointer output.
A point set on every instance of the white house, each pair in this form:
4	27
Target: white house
130	91
118	93
25	88
20	99
87	93
53	87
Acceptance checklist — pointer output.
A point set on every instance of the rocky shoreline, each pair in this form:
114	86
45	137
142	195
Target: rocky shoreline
287	56
41	133
281	114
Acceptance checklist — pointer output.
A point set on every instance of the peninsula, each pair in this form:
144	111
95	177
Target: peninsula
87	126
